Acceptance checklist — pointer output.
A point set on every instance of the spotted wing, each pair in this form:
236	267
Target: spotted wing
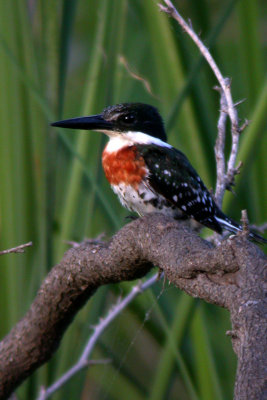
172	176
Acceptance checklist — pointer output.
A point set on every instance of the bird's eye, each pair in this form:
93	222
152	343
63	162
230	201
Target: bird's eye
128	119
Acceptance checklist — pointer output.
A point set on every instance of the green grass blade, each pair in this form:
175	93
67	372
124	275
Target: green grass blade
167	359
251	141
90	94
204	362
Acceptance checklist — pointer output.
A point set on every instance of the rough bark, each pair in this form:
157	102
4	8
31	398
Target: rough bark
232	275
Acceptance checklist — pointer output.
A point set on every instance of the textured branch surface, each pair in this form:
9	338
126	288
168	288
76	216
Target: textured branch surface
232	275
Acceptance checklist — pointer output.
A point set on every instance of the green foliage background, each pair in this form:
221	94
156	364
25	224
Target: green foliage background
60	59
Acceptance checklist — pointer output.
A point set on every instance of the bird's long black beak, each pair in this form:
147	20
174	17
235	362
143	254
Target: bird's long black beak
94	122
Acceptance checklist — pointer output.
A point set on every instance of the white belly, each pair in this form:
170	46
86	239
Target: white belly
143	201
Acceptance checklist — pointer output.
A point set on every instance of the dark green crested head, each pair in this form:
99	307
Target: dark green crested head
136	117
125	117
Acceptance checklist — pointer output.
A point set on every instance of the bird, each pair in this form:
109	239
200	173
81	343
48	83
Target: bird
147	173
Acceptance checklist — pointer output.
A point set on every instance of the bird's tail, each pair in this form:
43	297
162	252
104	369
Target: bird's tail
230	225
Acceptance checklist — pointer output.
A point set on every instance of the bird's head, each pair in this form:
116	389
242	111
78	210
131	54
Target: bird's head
122	120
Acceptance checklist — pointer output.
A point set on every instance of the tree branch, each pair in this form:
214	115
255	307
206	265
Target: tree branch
191	263
83	361
224	180
219	150
232	275
17	249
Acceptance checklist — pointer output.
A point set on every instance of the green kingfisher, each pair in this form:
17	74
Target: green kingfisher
148	174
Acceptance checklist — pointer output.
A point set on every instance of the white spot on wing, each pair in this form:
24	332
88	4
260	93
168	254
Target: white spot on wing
166	172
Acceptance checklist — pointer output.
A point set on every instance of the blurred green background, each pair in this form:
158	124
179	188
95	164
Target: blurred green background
61	59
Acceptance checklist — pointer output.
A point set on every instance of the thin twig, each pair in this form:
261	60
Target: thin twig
18	249
83	361
225	85
244	220
219	150
224	82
